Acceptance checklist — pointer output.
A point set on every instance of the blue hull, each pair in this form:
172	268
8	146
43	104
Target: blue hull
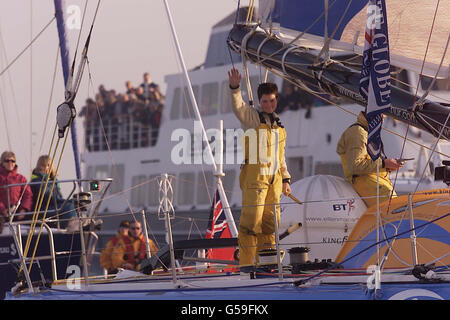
410	291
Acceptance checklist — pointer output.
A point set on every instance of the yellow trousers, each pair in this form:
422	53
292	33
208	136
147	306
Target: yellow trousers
366	186
256	224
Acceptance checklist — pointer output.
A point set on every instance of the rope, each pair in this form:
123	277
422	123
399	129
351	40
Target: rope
350	112
326	46
16	108
244	64
251	6
38	202
299	36
48	201
409	122
31	86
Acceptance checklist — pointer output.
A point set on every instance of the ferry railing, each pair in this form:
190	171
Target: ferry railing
122	133
81	207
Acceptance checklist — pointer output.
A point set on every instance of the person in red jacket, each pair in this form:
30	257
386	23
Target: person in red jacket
18	195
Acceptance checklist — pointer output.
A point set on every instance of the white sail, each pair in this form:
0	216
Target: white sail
412	24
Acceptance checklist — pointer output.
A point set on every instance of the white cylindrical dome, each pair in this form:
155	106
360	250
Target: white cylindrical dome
330	209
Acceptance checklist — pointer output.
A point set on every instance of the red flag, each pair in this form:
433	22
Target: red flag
218	229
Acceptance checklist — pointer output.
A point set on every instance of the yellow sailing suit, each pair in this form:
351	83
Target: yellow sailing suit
261	177
131	250
359	169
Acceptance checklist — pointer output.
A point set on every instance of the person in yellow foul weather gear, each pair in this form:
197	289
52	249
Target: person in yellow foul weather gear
264	174
105	256
359	168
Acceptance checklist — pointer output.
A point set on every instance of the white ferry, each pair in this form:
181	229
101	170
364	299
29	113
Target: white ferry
310	149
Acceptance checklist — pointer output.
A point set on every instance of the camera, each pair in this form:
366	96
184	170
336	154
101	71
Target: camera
443	173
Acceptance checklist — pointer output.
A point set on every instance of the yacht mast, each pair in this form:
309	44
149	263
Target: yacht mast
59	14
223	196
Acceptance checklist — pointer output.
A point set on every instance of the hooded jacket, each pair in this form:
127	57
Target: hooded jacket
13	177
352	147
359	168
57	197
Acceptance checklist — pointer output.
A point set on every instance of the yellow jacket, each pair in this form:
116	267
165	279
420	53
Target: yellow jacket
352	146
131	250
359	168
105	256
250	119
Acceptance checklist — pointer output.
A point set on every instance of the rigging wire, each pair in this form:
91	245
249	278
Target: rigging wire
50	100
414	105
114	164
31	87
27	47
12	90
50	197
70	93
348	111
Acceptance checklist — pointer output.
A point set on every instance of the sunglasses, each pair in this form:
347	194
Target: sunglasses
10	160
135	228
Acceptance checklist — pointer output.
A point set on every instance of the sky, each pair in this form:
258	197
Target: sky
130	37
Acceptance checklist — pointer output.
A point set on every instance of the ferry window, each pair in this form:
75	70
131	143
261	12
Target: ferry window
175	110
138	191
210	97
439	84
225	97
206	191
300	167
153	190
101	172
188	110
330	168
90	172
185	190
117	173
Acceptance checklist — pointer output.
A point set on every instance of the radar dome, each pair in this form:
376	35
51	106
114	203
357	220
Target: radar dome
329	210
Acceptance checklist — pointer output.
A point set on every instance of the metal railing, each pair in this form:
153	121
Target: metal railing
121	133
81	208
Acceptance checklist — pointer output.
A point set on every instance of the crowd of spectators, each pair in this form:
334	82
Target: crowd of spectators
132	118
136	111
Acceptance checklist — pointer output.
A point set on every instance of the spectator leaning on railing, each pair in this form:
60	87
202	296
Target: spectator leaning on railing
140	105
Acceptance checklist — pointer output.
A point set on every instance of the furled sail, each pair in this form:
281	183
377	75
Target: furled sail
411	24
339	76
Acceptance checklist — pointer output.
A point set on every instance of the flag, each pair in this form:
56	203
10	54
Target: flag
218	228
375	83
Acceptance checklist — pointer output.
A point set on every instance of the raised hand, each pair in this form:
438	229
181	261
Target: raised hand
234	77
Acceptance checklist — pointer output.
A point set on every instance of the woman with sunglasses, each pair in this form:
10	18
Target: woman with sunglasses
18	195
